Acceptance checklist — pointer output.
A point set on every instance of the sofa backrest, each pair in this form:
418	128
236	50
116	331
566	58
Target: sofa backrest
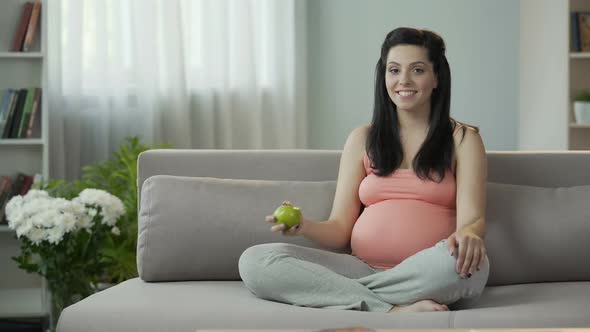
535	232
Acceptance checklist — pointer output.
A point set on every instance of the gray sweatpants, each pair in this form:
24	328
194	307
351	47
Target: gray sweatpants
317	278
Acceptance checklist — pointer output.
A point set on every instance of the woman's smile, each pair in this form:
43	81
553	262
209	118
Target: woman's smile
406	95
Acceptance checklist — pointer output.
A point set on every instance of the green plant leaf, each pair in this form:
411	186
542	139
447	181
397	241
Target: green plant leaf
110	256
582	95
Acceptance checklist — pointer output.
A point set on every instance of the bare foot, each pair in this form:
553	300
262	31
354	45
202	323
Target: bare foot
421	306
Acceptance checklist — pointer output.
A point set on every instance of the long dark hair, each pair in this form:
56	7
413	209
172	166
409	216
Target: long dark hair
383	144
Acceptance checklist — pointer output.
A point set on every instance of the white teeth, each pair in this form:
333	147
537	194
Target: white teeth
406	93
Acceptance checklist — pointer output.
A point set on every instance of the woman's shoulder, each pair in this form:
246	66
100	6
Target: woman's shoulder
462	127
357	139
458	125
362	132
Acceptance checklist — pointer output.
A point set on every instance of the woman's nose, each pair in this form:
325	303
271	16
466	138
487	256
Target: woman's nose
403	79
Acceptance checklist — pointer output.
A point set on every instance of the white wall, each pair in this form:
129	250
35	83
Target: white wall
344	40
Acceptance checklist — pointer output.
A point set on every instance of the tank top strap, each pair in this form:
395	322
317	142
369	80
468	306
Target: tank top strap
458	126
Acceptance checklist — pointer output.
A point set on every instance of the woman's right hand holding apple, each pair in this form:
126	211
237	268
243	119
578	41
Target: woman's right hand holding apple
292	231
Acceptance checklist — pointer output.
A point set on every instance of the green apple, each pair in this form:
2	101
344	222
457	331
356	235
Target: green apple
288	215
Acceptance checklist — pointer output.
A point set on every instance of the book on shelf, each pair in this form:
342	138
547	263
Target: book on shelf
4	109
575	32
21	113
32	28
11	187
27	109
21	31
27	26
5	192
34	123
580	31
13	112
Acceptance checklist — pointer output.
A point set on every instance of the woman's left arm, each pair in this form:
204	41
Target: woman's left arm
471	180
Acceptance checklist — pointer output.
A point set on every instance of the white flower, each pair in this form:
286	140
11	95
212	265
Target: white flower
69	222
24	229
36	193
40	217
55	234
36	235
111	207
85	221
115	230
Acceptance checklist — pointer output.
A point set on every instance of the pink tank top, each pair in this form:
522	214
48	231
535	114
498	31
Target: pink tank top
403	215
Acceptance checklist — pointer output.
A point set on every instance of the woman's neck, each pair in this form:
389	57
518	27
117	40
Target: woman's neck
414	120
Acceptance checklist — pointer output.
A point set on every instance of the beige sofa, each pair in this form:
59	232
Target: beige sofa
200	209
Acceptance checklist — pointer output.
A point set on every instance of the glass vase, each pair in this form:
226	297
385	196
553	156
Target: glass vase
56	301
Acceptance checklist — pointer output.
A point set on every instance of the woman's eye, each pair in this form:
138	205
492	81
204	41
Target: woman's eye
394	70
419	70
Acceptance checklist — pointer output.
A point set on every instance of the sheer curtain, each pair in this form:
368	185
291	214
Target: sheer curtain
208	74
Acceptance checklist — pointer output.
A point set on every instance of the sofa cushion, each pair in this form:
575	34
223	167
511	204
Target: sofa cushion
537	234
534	234
537	305
135	305
196	228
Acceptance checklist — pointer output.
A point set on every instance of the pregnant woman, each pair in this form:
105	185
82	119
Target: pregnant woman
418	244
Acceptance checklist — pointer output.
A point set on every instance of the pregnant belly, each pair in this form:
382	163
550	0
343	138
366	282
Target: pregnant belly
388	232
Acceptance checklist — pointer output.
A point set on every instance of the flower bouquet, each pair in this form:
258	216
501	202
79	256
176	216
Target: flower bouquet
62	240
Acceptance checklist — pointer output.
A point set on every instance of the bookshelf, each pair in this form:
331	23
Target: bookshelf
27	141
22	294
578	79
24	55
579	55
550	75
